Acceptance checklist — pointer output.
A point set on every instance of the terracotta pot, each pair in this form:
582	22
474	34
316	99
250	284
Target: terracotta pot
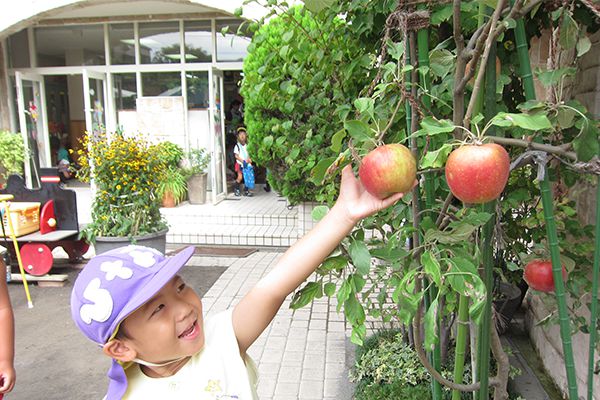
168	200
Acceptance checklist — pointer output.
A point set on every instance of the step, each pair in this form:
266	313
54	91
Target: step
234	235
230	213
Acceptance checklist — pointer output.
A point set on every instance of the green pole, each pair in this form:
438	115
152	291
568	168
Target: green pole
594	307
565	328
461	343
423	57
487	250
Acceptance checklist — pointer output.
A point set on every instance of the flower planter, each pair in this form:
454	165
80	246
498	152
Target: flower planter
197	189
507	302
155	240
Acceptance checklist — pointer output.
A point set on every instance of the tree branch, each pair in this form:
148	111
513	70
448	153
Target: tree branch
490	40
500	392
558	150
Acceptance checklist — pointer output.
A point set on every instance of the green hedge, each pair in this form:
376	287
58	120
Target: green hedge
301	75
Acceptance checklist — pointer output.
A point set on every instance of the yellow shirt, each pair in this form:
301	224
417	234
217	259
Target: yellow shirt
218	372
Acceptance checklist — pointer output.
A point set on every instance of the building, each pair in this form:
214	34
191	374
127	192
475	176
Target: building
166	68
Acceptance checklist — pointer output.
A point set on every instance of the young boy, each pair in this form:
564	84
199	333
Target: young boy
241	156
131	302
7	336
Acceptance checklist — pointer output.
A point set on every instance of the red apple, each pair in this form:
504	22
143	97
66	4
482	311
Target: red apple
478	173
388	169
538	275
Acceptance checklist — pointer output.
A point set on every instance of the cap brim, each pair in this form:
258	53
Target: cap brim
168	270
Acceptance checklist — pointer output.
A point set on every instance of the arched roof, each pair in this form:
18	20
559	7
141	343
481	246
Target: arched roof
32	12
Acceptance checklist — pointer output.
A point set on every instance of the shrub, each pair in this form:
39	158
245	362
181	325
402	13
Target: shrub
299	76
12	154
127	172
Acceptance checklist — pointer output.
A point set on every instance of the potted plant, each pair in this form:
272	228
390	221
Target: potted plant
196	163
173	186
12	155
126	171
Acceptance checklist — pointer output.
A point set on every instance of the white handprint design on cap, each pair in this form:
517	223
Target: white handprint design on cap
143	258
114	269
102	303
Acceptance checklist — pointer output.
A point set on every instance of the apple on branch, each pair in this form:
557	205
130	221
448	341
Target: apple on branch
388	169
477	173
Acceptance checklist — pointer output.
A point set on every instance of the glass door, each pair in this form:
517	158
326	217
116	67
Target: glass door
217	133
94	100
31	101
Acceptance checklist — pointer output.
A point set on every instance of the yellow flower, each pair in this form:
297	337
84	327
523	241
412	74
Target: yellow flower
118	187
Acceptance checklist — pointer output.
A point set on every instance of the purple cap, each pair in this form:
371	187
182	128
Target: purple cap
113	285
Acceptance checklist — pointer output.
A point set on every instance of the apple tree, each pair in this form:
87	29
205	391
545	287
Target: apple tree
334	80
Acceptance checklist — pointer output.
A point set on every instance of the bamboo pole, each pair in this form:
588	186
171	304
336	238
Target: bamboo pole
429	186
546	194
594	307
487	251
461	343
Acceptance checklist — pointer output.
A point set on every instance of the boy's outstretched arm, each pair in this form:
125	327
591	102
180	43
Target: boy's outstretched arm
258	308
7	336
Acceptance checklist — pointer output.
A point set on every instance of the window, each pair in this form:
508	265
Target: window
159	42
161	84
125	91
197	89
18	50
70	45
231	47
198	41
122	44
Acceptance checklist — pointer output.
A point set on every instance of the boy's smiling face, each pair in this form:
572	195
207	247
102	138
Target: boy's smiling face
168	326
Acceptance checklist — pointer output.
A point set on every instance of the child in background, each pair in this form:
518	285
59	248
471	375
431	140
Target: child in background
132	303
241	156
7	336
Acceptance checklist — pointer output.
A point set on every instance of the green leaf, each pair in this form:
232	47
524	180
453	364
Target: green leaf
361	258
336	140
317	174
554	76
316	6
437	158
319	212
336	263
343	294
431	325
568	32
584	45
533	122
565	117
354	311
432	267
441	62
286	37
364	105
329	289
358	130
586	143
268	141
441	14
434	126
530	105
305	295
358	334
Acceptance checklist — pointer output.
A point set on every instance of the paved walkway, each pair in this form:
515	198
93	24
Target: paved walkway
303	354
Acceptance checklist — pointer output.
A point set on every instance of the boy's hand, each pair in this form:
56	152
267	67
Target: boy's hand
356	202
7	377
